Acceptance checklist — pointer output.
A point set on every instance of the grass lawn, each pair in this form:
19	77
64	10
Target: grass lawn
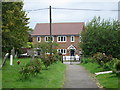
51	78
106	80
0	79
92	67
0	75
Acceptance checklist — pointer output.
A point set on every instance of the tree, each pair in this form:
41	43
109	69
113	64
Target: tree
14	26
45	47
101	36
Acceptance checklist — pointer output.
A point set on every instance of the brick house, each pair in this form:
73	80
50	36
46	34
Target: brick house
67	35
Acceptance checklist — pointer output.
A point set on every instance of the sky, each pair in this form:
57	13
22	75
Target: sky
60	16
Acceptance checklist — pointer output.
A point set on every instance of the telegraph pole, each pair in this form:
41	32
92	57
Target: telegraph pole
50	32
119	10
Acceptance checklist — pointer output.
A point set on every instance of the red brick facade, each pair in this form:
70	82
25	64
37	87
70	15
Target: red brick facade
68	43
63	45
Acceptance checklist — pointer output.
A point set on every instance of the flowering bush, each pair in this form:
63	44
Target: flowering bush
101	59
46	60
32	68
18	62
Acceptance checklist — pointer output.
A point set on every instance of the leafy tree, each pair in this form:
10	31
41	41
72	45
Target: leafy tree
28	45
0	29
101	36
44	48
14	26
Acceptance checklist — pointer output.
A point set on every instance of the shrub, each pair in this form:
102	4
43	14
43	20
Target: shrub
56	57
46	60
32	68
109	65
86	60
101	59
117	67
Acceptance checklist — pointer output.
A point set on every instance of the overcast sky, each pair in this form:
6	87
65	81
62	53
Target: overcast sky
42	16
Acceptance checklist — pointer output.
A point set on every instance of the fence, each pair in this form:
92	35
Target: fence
71	58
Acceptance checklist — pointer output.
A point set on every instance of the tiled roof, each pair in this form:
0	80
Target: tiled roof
58	28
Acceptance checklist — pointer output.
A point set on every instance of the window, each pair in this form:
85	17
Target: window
63	51
61	38
38	39
47	38
72	38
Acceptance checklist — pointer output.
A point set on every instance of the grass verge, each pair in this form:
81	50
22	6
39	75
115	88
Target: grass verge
51	78
0	79
106	80
0	75
92	67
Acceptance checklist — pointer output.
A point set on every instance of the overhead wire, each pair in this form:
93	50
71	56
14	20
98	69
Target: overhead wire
70	9
37	9
83	9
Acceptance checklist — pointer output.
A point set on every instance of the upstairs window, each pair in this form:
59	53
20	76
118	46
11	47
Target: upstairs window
47	38
72	38
61	38
38	39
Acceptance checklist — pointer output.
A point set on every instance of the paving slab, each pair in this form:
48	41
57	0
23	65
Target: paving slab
77	77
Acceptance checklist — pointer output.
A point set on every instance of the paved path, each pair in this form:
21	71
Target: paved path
77	77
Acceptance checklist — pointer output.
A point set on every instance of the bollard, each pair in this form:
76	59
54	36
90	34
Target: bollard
11	59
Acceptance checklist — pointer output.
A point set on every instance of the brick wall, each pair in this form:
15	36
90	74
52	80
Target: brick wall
62	45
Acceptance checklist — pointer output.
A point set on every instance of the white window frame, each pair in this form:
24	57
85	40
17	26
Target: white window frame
39	39
60	38
47	53
47	37
73	38
64	51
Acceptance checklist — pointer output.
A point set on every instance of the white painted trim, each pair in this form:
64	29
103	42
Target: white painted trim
103	72
47	37
71	47
66	58
63	51
73	38
39	38
63	38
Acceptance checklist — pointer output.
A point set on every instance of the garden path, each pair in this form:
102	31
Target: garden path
77	77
